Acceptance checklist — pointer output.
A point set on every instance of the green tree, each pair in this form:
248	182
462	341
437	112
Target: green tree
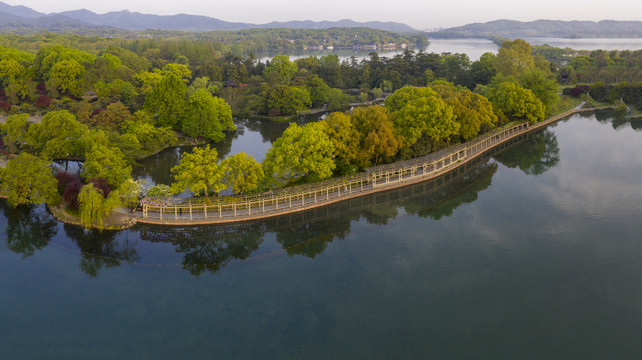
301	152
418	111
93	208
199	172
345	139
108	163
15	129
243	173
542	85
207	116
514	58
58	136
27	179
66	76
318	91
280	70
112	116
286	100
472	111
516	102
166	101
378	138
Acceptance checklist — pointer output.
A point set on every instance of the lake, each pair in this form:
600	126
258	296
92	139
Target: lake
532	251
475	48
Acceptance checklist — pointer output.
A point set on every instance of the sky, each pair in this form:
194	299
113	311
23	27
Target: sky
420	14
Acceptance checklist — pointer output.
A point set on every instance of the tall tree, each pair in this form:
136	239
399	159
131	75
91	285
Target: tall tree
301	152
166	101
108	163
243	173
418	111
27	179
199	172
207	116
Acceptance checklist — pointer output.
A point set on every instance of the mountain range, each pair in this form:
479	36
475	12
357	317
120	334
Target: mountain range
546	29
16	17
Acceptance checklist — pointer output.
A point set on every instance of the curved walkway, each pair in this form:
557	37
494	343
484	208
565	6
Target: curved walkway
232	209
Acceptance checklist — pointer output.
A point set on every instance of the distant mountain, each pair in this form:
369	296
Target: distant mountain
345	23
22	16
21	11
546	28
136	21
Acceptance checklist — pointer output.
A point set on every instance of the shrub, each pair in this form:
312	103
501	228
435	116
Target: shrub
42	102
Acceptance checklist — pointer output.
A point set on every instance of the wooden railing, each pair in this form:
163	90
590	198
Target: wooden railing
227	209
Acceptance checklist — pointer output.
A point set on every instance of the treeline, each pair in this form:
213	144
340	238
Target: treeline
239	43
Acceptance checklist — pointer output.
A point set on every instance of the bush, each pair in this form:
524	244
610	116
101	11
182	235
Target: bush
101	184
64	178
43	101
579	90
70	195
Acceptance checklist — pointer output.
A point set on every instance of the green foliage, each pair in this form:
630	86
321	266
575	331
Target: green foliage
108	163
419	111
345	139
516	102
166	101
151	138
301	152
280	70
378	138
15	130
94	208
159	190
27	179
207	116
286	100
318	91
58	136
473	112
243	173
199	172
514	58
542	85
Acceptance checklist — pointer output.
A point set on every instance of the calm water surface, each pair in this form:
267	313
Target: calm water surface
531	252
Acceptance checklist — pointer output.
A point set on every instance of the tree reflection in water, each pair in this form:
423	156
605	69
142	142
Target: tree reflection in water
100	249
208	248
535	155
211	248
29	228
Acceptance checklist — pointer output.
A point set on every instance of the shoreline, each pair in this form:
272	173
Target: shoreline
121	219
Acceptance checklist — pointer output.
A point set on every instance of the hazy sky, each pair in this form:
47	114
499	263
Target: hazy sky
421	14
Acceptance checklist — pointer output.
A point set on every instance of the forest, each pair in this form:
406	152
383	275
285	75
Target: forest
109	102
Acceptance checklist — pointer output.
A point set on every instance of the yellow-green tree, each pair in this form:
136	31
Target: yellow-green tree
93	208
419	111
243	174
516	103
27	179
345	138
472	111
379	141
514	58
108	163
199	172
301	152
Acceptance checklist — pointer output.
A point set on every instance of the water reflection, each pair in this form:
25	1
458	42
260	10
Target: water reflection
101	249
207	248
210	248
539	152
28	228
